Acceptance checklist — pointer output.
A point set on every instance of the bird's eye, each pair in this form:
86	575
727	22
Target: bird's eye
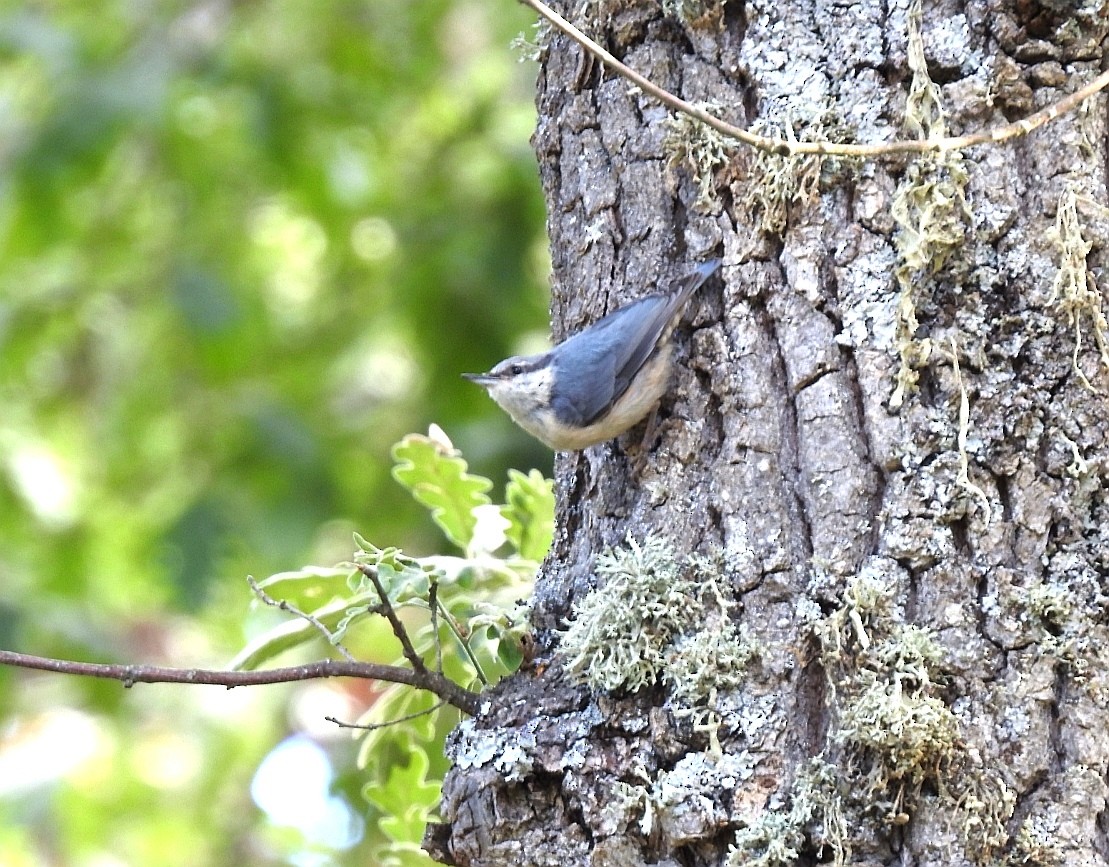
516	369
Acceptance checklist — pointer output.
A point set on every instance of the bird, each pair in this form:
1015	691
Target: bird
601	381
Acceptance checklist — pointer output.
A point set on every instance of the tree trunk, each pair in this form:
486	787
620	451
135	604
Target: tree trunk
886	441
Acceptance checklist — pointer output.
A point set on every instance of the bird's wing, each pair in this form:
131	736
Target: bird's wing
607	357
664	309
656	314
655	319
584	391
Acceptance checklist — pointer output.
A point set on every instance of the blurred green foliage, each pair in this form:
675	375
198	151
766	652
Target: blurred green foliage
244	248
463	615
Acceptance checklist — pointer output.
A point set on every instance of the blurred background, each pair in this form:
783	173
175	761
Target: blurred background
244	248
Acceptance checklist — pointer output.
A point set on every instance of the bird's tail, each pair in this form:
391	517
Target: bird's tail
693	281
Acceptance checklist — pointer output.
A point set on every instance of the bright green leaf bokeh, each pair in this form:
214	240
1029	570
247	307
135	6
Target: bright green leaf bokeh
244	248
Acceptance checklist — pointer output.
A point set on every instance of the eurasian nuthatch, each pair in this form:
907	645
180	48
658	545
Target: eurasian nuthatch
600	382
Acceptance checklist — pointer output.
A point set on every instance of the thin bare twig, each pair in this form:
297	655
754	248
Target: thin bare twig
464	642
433	604
371	727
285	605
787	147
129	675
394	622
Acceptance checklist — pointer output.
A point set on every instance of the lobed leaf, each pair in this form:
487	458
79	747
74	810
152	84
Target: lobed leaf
436	475
529	508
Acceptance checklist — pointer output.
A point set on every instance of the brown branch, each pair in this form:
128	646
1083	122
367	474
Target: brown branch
786	147
128	675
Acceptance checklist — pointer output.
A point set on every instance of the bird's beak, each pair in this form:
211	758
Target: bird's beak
482	379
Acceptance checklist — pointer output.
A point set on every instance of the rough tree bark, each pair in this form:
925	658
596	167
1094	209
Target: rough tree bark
921	570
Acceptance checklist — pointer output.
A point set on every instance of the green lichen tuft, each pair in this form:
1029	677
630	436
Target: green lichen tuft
892	734
708	661
1051	605
1037	844
910	654
700	149
691	11
626	801
779	181
1063	630
983	806
931	213
929	207
896	736
620	633
814	820
1074	291
868	605
654	618
532	49
963	477
893	731
774	841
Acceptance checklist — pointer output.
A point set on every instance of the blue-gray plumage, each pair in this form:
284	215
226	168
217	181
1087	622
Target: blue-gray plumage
601	381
